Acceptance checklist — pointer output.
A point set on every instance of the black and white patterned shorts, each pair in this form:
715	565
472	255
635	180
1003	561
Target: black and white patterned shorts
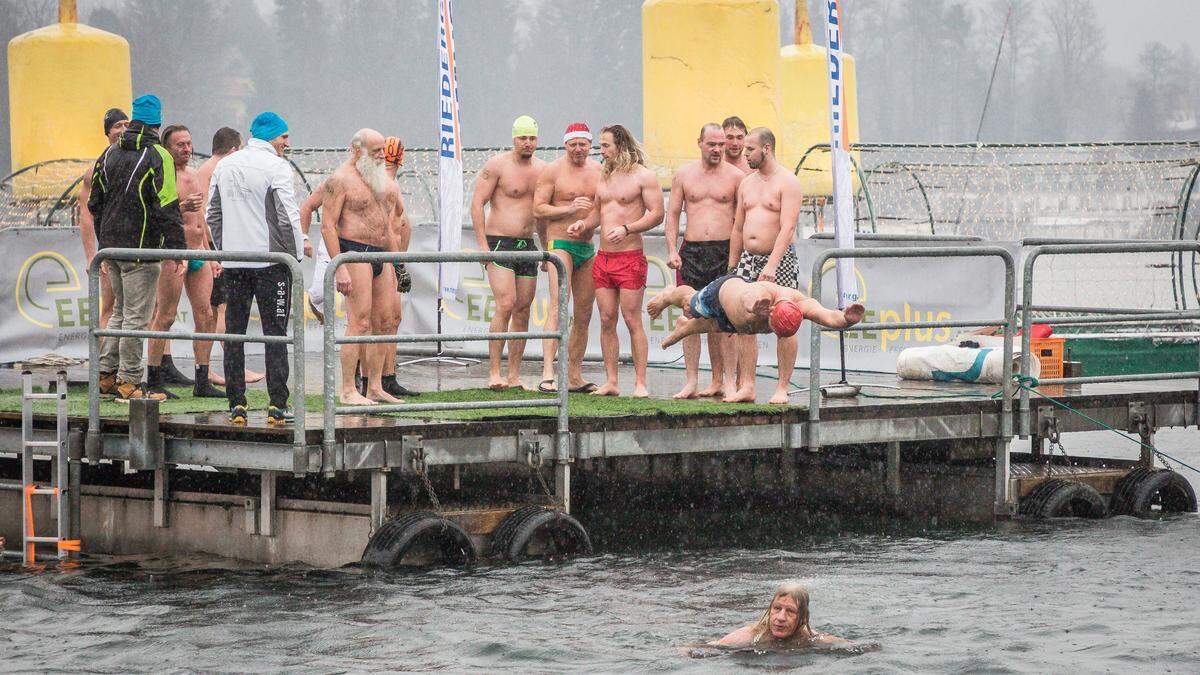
788	275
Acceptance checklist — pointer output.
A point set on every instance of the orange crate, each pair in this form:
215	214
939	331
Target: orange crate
1050	352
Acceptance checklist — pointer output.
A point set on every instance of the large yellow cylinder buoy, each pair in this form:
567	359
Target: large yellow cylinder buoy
61	80
804	109
702	61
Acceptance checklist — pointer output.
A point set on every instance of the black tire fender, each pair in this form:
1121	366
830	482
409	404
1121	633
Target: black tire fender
388	546
564	533
1061	498
1140	490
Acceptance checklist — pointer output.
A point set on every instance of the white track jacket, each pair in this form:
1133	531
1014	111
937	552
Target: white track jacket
252	204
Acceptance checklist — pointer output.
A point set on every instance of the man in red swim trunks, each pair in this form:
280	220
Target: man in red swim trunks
631	203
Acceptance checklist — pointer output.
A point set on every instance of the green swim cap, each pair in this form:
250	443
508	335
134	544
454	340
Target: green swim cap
525	126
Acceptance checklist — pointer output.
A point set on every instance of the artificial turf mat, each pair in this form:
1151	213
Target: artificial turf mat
580	405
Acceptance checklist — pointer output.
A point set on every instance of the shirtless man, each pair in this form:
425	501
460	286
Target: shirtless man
630	202
224	142
507	182
707	190
401	232
358	210
195	275
731	304
564	198
735	142
760	249
115	123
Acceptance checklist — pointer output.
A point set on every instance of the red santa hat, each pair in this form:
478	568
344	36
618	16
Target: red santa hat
577	130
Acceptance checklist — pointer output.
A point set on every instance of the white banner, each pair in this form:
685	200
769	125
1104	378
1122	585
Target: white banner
450	171
839	146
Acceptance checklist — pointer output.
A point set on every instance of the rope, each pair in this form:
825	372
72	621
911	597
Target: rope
1030	384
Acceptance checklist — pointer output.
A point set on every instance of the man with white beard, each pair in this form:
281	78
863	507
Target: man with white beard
360	214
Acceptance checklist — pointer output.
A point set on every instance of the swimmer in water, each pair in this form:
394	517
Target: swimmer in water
783	626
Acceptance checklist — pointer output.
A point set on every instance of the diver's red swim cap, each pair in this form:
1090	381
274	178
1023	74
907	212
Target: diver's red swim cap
786	317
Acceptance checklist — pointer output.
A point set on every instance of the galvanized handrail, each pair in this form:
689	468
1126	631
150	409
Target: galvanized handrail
300	460
1009	320
562	443
1097	316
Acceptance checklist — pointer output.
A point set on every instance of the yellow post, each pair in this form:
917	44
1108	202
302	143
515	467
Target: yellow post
61	79
702	61
804	94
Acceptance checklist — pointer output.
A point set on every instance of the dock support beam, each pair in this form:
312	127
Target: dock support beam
266	504
893	469
162	497
1004	507
562	484
379	507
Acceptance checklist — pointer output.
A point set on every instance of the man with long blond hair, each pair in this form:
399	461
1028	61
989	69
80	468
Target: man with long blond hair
784	625
631	203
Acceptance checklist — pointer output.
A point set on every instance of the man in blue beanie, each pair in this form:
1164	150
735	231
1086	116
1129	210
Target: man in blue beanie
252	207
134	204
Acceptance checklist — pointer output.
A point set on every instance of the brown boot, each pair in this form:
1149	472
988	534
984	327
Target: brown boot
127	391
108	384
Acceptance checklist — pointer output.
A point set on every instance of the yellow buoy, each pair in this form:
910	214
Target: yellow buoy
702	61
804	109
61	80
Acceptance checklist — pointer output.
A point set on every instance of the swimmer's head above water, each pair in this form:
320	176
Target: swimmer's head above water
786	618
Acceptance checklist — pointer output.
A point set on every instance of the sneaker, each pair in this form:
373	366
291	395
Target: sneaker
108	384
277	417
128	391
171	374
206	390
237	415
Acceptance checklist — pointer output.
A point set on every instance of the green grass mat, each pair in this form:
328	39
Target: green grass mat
581	405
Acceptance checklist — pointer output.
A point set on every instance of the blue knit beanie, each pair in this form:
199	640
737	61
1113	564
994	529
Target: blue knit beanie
268	126
147	109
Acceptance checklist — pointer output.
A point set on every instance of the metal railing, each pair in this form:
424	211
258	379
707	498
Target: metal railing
1008	320
296	339
1093	315
386	257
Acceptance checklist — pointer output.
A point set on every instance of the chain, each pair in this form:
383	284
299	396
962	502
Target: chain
1055	443
533	457
419	468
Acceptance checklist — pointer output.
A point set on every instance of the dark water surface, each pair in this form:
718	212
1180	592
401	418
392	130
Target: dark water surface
1071	596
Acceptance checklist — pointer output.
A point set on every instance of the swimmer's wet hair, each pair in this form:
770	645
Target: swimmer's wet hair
765	136
734	122
762	628
226	140
165	137
711	126
629	151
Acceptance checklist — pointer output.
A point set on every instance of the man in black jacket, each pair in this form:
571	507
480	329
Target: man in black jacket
135	205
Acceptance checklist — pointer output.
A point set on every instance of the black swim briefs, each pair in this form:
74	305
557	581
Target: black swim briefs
359	247
703	262
521	269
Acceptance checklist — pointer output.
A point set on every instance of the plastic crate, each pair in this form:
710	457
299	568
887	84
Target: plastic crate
1050	352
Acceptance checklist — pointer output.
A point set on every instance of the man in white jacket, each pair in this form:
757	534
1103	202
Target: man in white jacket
252	207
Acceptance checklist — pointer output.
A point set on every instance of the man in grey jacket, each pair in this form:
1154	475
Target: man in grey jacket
252	207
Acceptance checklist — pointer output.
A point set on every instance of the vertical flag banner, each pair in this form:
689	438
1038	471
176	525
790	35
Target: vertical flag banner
450	172
839	146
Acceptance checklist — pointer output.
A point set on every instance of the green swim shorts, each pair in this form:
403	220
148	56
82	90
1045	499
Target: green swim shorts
195	265
581	251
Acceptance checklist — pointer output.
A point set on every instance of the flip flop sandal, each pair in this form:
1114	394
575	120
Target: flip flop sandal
585	388
547	389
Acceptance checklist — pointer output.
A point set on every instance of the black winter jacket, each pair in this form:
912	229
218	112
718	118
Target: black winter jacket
134	201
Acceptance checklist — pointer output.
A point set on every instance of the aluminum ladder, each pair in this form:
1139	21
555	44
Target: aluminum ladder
60	483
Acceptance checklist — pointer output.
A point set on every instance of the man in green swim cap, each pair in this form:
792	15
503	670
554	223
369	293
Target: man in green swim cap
565	200
195	275
506	185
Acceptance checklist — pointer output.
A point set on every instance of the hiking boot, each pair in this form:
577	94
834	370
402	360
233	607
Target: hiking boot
278	417
108	384
128	391
237	415
171	374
